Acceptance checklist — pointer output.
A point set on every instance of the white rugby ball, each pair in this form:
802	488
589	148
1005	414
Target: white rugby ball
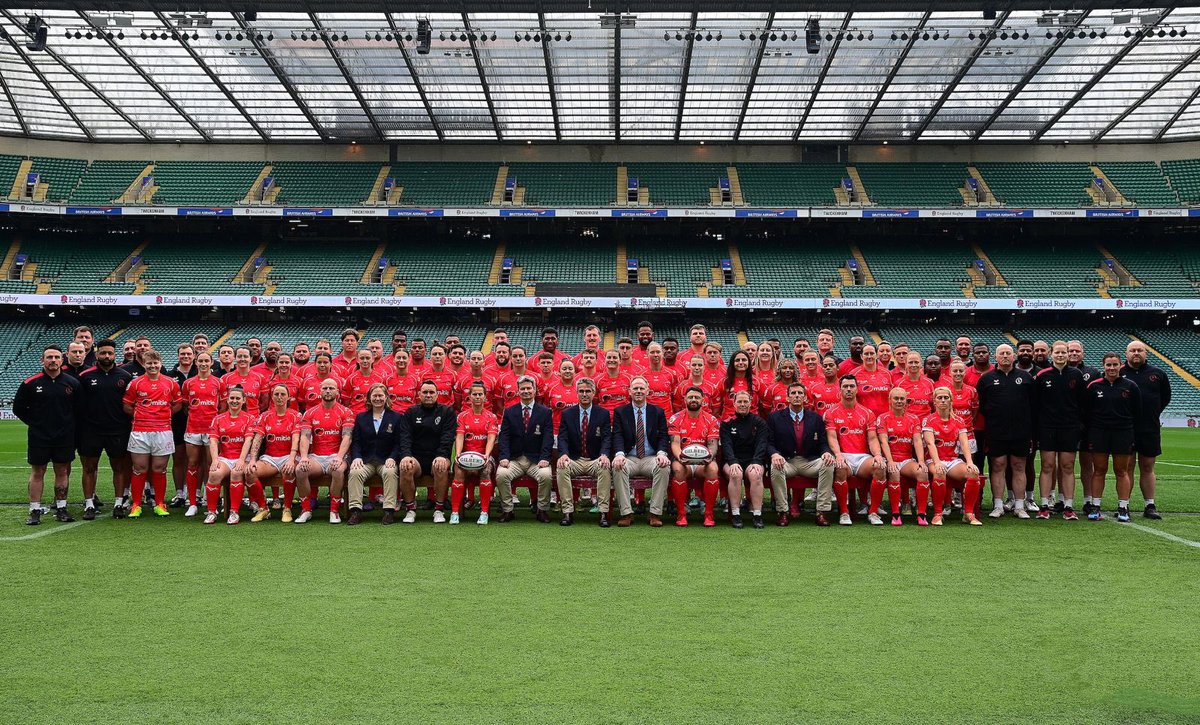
471	461
695	454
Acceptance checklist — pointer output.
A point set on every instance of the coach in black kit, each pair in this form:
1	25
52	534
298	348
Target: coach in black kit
427	433
46	403
1112	407
1006	402
1147	433
103	425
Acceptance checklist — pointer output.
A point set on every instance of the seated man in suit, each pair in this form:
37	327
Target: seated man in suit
526	439
640	444
798	446
584	440
375	451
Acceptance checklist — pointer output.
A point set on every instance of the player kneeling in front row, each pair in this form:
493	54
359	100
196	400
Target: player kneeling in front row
900	440
477	431
276	443
744	446
229	439
325	432
950	463
852	440
694	436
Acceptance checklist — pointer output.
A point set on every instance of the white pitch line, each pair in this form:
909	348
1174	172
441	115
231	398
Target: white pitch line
43	532
1182	465
1162	534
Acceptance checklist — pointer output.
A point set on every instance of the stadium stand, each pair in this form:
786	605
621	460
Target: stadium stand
1184	177
106	181
677	184
1069	269
1038	184
788	268
566	184
472	335
61	175
9	165
545	259
324	183
1182	346
302	266
445	184
77	266
681	273
920	184
460	267
204	183
926	269
924	338
1142	182
21	345
288	334
788	184
171	268
1164	270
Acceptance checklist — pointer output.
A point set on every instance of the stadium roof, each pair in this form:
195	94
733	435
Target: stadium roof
942	72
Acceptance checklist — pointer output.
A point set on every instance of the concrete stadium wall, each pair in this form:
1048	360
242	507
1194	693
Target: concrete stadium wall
511	152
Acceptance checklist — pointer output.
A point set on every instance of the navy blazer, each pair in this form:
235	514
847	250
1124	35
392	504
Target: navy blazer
625	430
781	436
375	447
599	433
533	442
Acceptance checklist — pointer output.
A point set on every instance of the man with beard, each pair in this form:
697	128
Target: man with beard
799	347
270	357
103	425
1006	403
326	432
427	433
508	377
1041	355
135	367
645	336
46	402
855	359
499	362
254	345
550	345
962	346
1024	357
499	336
591	341
301	357
1147	442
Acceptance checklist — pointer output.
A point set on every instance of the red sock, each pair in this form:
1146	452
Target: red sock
971	496
486	488
457	490
939	495
922	496
306	504
289	492
841	489
212	497
237	492
894	496
192	483
257	495
375	492
335	504
159	482
679	493
712	486
639	496
877	488
275	492
137	484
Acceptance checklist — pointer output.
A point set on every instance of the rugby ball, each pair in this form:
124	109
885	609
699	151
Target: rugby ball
695	454
471	461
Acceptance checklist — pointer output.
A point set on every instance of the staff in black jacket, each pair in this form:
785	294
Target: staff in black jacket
798	446
744	448
1058	398
46	403
374	451
1075	360
1006	402
524	444
1112	407
640	445
103	426
426	438
1147	434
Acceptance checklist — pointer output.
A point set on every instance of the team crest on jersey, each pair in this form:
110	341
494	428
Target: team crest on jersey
389	428
38	389
1020	380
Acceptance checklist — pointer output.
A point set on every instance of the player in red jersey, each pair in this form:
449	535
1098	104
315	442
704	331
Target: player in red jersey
612	386
270	360
358	382
403	384
499	337
689	426
714	366
626	363
698	336
738	378
251	383
273	452
965	401
505	391
764	367
661	379
949	454
456	358
810	368
499	361
229	438
981	362
591	342
900	441
285	375
545	373
550	345
825	393
589	364
443	378
918	387
672	360
417	362
385	365
477	431
962	347
855	446
856	345
874	381
900	367
320	371
773	395
696	379
325	432
301	359
645	337
347	359
467	379
202	396
885	356
560	393
937	373
151	399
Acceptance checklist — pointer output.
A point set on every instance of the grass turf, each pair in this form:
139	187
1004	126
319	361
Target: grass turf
171	621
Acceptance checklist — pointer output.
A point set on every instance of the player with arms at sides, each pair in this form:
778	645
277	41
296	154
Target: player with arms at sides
809	365
764	366
325	434
626	362
252	384
1112	408
102	426
874	381
612	387
739	377
714	366
403	384
591	342
358	382
694	426
917	385
285	374
900	441
661	379
229	439
273	451
772	396
708	390
202	396
347	359
505	391
965	404
319	371
560	393
477	431
443	377
151	399
855	447
467	379
1057	407
949	452
827	392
